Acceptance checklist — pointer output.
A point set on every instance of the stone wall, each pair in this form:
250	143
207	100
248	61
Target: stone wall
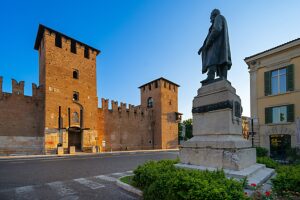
124	128
20	120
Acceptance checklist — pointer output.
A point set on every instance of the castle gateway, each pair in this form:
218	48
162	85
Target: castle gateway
63	110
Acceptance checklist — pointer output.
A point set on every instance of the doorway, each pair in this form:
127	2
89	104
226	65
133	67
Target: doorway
279	144
75	137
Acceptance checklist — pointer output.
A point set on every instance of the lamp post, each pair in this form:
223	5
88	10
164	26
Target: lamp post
252	132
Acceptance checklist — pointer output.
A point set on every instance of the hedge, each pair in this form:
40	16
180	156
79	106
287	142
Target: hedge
261	152
287	179
162	180
269	162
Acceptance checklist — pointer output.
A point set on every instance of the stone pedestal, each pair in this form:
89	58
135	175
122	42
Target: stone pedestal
217	131
72	150
60	151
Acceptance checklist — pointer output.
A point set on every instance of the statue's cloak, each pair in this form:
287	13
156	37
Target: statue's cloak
218	53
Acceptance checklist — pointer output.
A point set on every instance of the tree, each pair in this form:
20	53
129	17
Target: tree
188	129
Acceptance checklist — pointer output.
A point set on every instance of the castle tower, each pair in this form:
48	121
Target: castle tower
67	72
161	96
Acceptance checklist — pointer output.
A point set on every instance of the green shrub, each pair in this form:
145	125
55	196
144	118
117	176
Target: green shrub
293	155
146	174
269	162
161	180
261	152
287	179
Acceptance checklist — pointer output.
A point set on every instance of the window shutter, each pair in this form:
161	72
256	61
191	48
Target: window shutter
267	83
290	78
290	113
268	115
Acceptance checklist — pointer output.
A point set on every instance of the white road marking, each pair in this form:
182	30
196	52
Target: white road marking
88	183
106	178
26	192
118	174
61	188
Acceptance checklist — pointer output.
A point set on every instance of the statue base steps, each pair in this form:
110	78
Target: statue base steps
256	173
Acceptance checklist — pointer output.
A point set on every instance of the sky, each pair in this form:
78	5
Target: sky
142	40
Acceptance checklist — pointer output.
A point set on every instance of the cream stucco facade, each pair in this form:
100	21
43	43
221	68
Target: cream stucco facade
269	129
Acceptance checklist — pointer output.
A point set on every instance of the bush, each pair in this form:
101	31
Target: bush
269	162
161	180
293	155
261	152
287	180
146	174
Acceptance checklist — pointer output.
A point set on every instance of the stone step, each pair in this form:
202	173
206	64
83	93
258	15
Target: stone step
261	176
244	172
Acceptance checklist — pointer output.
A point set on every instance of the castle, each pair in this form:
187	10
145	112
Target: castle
63	109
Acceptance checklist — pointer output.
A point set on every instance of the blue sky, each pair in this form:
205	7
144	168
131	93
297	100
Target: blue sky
142	40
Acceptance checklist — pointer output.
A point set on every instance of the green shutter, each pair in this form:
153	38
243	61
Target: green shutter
268	115
290	113
290	78
268	83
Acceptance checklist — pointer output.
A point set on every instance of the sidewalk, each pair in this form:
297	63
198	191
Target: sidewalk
84	154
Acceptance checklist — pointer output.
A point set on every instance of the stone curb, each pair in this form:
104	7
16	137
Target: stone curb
85	154
128	187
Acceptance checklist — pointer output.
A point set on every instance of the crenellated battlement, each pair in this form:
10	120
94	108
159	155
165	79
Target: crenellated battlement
122	108
18	88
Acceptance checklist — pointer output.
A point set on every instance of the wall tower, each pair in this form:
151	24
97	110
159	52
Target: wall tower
161	95
67	72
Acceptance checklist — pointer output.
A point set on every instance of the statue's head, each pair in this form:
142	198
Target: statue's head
214	13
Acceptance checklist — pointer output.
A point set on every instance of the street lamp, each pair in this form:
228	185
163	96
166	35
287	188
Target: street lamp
252	132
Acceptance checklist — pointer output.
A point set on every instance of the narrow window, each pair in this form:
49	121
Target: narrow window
58	40
149	86
73	46
75	74
150	102
165	84
169	86
86	52
75	96
156	84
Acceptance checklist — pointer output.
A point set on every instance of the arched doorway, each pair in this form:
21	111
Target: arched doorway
75	137
279	144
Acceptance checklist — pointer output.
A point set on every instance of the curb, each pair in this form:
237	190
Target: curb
129	188
85	154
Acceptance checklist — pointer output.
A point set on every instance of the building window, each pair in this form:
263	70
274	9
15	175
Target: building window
149	86
73	46
156	84
86	52
58	40
279	114
279	81
75	74
150	102
165	84
75	96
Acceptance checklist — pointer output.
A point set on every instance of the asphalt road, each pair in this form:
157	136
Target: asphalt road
71	177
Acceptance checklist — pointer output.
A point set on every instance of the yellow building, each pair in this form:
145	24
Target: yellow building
275	97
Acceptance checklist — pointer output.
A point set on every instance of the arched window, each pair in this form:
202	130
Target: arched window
150	102
75	74
75	96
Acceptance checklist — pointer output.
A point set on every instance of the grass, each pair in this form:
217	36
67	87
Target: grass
128	180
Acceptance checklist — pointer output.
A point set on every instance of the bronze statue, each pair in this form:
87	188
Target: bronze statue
216	57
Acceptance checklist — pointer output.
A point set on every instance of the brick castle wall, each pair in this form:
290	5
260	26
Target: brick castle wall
20	120
124	128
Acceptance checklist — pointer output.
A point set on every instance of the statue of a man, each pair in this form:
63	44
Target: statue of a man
216	57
